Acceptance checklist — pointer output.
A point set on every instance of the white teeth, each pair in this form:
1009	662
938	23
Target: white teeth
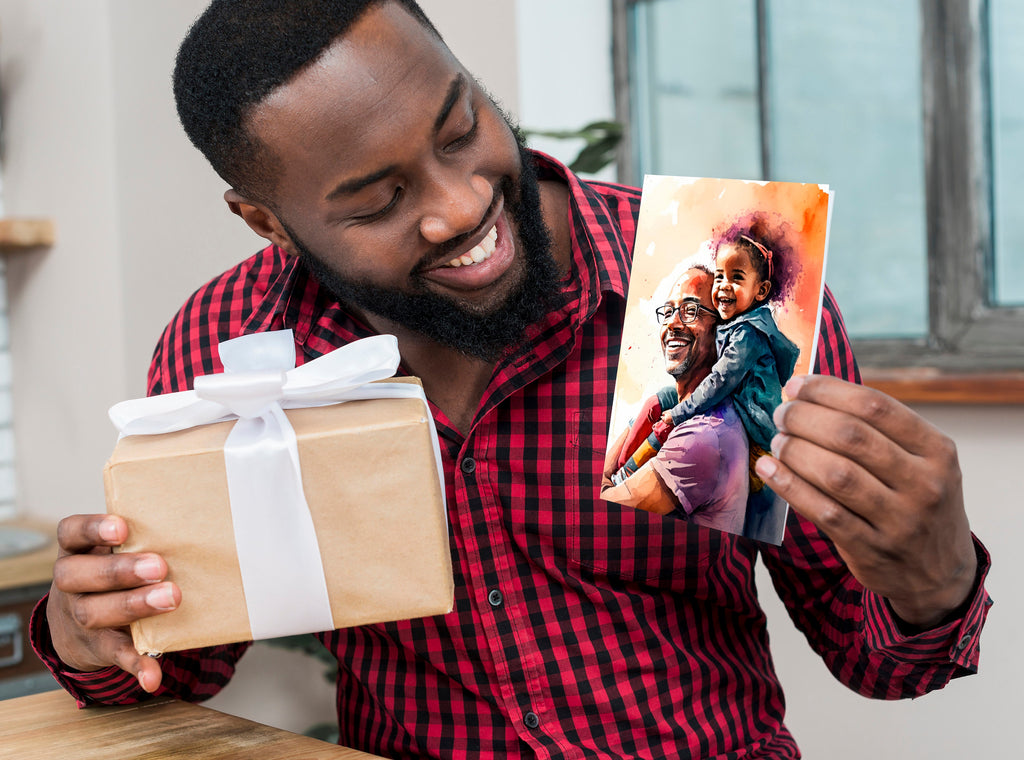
480	252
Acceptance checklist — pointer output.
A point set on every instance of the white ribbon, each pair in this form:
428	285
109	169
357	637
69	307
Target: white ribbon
278	553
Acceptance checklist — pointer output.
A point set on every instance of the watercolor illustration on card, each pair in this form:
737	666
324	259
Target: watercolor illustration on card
723	308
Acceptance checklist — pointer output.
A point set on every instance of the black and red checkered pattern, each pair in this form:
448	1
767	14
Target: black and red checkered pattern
581	628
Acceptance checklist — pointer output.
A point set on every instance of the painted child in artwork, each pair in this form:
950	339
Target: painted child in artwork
755	359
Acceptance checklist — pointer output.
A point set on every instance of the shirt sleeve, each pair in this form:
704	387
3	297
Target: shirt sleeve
854	630
641	427
193	675
689	464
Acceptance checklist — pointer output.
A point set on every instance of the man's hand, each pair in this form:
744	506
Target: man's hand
884	485
96	594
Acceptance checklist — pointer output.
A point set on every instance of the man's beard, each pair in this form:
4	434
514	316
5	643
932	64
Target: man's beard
441	318
682	366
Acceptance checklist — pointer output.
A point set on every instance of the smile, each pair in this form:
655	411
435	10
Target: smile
678	342
478	253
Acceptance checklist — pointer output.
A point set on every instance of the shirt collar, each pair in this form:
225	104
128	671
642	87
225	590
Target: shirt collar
600	255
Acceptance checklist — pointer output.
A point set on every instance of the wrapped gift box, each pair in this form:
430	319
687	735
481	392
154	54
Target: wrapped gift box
370	477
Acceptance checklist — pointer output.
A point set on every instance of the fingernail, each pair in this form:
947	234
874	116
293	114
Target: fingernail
160	599
777	443
149	569
108	530
766	468
779	415
794	385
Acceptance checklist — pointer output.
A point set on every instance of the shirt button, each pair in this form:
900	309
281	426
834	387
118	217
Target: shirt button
963	643
468	465
530	720
495	598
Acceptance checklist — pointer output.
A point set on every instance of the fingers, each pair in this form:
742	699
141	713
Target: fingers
82	533
97	594
835	463
838	480
86	573
123	654
839	523
843	434
864	449
112	590
117	609
874	408
115	647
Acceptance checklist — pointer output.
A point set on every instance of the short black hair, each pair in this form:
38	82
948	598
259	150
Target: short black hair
238	52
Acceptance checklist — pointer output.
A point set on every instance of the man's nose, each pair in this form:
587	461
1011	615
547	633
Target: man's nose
457	203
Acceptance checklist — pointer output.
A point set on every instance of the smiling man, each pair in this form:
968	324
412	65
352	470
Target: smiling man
700	473
395	198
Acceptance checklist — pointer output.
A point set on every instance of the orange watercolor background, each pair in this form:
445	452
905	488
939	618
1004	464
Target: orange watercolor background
678	215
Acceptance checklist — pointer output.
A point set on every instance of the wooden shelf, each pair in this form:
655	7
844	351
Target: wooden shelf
929	386
32	567
24	232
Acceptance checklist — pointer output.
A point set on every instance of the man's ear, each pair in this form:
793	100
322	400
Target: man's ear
261	220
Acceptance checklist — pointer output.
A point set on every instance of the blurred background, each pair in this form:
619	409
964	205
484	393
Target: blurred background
904	108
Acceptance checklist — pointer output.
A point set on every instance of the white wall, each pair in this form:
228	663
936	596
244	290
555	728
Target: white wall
65	303
975	716
91	140
565	71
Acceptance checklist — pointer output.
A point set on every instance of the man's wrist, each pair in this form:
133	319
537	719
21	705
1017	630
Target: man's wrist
931	611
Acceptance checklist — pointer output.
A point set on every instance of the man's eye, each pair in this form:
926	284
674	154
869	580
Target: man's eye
464	140
375	215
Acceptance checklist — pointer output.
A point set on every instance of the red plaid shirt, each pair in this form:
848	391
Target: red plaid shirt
581	628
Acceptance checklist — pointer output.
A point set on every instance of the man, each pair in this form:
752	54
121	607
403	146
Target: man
396	200
701	471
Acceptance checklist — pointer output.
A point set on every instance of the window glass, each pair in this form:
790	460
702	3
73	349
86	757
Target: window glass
694	73
1006	30
845	101
843	108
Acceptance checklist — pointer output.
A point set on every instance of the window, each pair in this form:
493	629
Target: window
905	107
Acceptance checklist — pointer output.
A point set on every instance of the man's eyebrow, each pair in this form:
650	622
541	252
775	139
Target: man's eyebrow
354	185
454	93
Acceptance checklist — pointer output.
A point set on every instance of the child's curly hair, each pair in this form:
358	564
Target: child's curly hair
765	238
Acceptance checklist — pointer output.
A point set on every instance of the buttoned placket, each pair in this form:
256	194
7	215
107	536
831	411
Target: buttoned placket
508	629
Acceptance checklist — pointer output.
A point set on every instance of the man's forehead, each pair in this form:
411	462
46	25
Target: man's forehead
385	38
693	285
386	72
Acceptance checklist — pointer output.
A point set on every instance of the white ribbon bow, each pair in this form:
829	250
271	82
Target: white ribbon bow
278	554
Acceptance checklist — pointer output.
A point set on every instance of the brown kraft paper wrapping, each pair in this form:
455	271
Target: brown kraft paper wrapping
371	482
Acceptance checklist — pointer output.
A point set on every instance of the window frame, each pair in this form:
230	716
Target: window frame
973	351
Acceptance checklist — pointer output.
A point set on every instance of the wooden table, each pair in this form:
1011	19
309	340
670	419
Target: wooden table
50	727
